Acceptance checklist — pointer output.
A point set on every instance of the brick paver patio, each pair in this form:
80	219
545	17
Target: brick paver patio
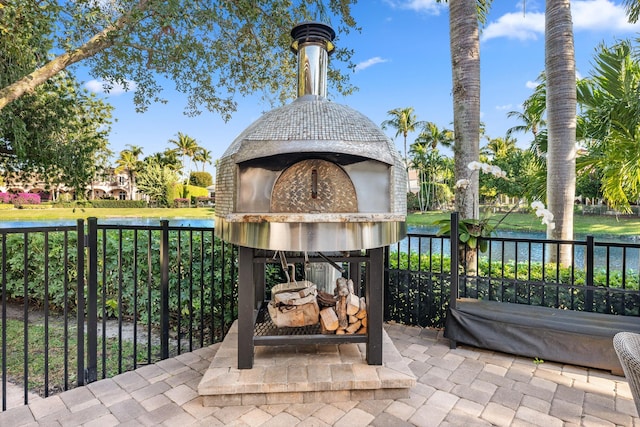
461	387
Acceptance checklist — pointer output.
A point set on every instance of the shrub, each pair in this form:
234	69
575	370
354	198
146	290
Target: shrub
35	207
177	192
413	204
200	179
205	201
20	199
181	202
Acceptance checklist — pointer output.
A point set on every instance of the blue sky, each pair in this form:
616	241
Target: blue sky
403	60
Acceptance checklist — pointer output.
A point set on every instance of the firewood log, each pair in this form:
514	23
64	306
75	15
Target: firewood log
362	313
329	319
362	330
341	311
353	319
340	331
352	328
364	321
353	304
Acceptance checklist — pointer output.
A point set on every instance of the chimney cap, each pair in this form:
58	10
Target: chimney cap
312	32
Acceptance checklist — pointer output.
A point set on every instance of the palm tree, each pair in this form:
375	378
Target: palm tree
432	135
187	147
204	156
136	150
533	110
500	147
425	157
127	162
560	72
633	10
403	120
611	122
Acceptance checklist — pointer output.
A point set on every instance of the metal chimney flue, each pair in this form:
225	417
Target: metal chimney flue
313	43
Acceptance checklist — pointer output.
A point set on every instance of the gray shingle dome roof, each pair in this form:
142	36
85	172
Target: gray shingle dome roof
313	124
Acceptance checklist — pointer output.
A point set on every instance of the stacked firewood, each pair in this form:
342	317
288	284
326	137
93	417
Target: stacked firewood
343	312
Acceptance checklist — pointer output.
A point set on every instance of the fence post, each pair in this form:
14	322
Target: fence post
588	298
455	262
164	290
80	296
92	300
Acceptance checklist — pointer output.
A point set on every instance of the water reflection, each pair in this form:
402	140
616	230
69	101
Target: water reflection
178	222
617	252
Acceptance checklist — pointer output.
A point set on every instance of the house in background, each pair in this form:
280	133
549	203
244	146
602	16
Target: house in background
108	186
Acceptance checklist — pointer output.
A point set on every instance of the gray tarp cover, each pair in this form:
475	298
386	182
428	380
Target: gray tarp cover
573	337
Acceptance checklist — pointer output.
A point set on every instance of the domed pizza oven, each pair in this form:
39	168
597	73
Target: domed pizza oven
312	175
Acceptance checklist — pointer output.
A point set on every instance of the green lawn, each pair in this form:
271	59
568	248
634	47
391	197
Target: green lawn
583	224
76	213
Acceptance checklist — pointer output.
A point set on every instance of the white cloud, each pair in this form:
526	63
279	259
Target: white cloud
113	89
600	15
587	15
504	107
531	84
527	26
369	62
428	6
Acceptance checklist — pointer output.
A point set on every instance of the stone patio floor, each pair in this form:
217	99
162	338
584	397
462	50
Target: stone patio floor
461	387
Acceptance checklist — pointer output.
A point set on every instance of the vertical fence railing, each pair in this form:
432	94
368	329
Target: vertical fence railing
109	298
80	309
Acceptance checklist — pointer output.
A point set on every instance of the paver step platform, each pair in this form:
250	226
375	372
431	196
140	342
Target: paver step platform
303	374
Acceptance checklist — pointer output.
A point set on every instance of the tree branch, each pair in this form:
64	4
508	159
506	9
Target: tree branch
97	43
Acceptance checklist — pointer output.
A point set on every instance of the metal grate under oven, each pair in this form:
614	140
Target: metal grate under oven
264	326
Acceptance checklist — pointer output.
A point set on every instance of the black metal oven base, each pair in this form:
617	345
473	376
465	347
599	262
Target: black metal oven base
255	327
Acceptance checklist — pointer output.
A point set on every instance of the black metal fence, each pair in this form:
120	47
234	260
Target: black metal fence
602	277
84	303
89	301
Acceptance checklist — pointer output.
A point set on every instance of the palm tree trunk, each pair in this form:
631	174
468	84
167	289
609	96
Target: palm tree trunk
465	65
465	61
561	122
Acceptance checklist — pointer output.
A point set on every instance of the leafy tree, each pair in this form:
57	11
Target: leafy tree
155	180
56	133
211	50
560	71
200	179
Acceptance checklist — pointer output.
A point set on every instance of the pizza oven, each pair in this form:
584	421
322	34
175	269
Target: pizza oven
312	175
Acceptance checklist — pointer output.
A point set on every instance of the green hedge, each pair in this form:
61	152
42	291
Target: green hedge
176	192
107	203
190	299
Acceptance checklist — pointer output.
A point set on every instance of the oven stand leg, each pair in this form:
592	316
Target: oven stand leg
246	303
374	297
